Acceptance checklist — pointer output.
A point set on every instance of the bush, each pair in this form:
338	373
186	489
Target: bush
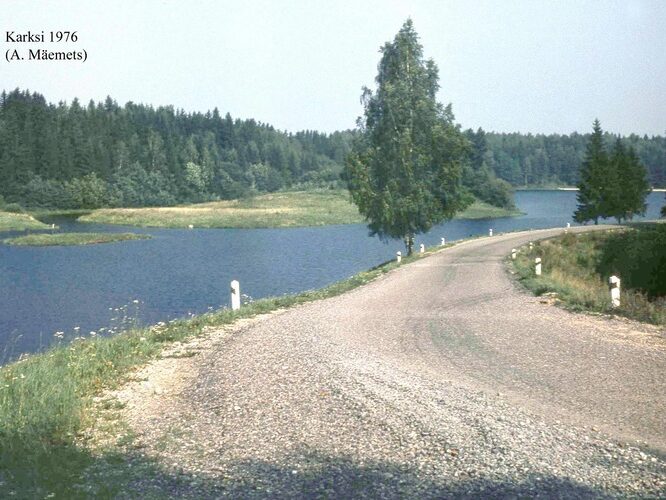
638	257
13	208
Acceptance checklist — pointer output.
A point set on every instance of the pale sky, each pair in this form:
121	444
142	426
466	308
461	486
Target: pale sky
527	66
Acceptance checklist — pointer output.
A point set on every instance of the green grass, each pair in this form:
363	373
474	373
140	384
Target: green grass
482	210
65	239
47	401
18	222
283	209
569	269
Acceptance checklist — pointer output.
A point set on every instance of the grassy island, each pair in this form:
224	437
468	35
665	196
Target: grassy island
284	209
65	239
10	221
576	268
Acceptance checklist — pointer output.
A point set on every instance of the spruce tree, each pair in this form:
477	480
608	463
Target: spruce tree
614	194
635	186
592	182
405	167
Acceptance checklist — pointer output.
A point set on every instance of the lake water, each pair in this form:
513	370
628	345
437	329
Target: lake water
76	290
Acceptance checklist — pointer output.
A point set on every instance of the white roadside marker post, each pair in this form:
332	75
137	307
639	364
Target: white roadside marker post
422	249
537	266
490	232
443	241
513	254
531	246
398	257
235	295
614	285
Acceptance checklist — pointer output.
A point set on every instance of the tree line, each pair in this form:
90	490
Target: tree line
554	160
103	154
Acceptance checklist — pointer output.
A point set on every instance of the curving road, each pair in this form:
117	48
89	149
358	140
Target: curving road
442	378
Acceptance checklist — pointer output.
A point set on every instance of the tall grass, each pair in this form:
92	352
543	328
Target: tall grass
571	269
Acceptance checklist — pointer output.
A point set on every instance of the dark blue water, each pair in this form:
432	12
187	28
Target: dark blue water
76	290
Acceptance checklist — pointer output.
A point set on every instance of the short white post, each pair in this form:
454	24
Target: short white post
537	266
52	226
235	295
190	226
443	241
422	249
513	254
614	285
531	245
490	232
568	225
398	257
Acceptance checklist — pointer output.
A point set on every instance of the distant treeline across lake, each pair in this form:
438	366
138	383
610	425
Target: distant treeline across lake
91	155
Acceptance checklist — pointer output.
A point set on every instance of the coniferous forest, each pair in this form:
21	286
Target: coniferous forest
102	154
71	155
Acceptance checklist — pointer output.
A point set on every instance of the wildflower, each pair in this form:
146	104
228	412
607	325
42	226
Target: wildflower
135	301
93	333
77	328
59	335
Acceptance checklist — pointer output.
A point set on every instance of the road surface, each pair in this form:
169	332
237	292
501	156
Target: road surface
442	378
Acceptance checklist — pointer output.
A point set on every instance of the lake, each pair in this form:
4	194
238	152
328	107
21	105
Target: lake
76	290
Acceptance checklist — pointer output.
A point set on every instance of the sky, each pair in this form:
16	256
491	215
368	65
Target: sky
507	66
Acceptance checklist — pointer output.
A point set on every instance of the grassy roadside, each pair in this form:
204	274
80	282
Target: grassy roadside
47	400
68	239
571	272
10	221
284	209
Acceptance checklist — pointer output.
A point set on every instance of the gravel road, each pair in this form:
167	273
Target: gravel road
441	379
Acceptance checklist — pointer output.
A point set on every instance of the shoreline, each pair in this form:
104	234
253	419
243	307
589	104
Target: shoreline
654	190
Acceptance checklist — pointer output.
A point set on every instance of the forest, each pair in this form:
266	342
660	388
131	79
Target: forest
554	160
70	155
102	154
